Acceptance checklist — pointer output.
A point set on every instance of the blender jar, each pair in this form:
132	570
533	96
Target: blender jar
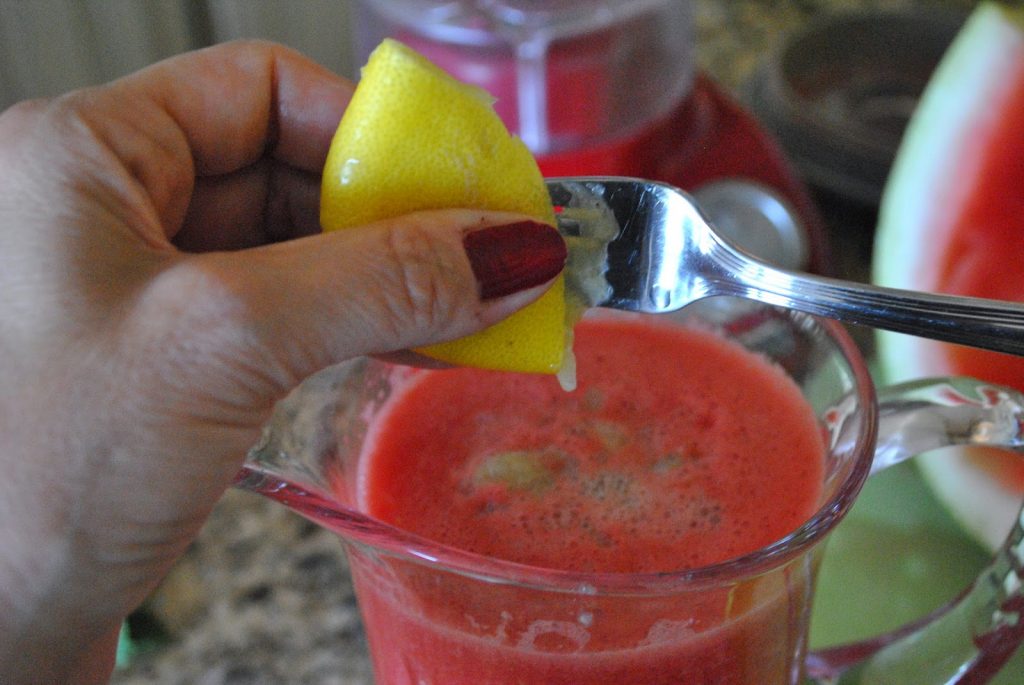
566	74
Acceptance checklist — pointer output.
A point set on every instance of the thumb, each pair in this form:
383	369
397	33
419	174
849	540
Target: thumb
405	282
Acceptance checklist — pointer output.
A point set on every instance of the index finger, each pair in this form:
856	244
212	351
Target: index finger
235	102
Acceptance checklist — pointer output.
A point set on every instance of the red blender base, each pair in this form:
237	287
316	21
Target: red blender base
706	138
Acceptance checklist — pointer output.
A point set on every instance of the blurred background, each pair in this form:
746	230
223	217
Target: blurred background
50	46
264	596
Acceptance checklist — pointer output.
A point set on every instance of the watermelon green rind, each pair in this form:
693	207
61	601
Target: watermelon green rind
935	173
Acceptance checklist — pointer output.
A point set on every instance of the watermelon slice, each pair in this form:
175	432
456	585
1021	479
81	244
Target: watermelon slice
952	220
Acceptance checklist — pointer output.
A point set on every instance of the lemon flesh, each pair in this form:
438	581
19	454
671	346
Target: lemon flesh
414	138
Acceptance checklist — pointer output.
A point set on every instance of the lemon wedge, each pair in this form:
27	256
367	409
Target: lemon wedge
414	138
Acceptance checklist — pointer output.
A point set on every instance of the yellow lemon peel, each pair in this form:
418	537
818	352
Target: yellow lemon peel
414	138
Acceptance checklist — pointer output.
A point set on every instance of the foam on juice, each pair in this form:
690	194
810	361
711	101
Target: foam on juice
659	461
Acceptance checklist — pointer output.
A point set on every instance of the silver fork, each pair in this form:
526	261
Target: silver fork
667	255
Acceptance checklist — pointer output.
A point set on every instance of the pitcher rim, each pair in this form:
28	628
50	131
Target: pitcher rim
358	528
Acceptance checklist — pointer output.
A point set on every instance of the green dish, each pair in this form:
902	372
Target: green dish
897	556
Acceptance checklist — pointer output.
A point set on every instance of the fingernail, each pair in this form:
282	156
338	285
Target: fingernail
514	257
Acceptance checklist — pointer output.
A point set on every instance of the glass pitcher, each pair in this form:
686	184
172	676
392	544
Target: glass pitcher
436	615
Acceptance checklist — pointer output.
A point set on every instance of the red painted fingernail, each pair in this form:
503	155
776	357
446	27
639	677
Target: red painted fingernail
514	257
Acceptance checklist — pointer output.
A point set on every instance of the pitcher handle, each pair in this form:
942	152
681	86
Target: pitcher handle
969	639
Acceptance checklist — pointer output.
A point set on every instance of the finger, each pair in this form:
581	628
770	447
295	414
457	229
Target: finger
264	203
398	283
206	113
392	285
235	101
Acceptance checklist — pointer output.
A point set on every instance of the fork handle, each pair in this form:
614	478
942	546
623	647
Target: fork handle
976	322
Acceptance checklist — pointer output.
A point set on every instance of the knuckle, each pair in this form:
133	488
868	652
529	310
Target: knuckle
194	287
194	308
199	316
20	115
427	279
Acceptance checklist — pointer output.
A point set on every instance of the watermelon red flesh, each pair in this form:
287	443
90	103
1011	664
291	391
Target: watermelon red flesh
985	253
952	218
985	258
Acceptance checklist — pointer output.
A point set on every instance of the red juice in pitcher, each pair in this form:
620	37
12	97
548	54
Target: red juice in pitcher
678	450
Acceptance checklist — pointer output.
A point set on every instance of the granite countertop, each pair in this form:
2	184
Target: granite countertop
264	596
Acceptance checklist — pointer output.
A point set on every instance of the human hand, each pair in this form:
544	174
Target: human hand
161	287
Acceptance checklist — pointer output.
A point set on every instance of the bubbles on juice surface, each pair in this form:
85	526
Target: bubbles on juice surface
597	493
605	478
